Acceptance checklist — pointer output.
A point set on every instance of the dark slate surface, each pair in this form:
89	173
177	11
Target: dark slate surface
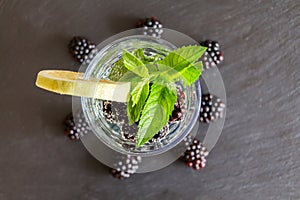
257	156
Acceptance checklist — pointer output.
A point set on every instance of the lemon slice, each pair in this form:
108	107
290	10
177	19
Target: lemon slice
72	83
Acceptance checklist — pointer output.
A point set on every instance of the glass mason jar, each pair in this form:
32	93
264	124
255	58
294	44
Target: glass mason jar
104	138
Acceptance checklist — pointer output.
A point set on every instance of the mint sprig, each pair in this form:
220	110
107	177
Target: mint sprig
156	113
152	106
183	60
134	64
118	71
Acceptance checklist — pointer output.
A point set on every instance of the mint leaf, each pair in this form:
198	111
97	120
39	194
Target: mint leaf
137	100
117	71
171	75
182	60
167	73
190	74
170	93
156	112
134	64
130	77
193	72
198	66
152	69
138	90
120	73
139	53
190	53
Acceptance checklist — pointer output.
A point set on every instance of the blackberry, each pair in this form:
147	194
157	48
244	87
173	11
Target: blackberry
126	167
70	129
195	155
82	126
213	55
82	49
74	131
212	108
179	107
69	121
129	131
151	26
107	111
114	112
120	112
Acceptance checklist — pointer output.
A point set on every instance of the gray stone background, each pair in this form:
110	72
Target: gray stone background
257	156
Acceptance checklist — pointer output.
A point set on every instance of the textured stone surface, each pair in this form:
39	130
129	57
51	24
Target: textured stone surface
257	156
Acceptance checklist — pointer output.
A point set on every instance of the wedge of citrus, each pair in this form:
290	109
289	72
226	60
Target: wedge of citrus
72	83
